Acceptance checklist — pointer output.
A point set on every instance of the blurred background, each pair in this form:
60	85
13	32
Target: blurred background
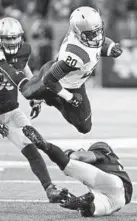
46	21
112	91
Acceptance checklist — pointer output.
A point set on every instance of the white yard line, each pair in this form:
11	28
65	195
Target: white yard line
34	201
116	143
124	143
24	164
37	182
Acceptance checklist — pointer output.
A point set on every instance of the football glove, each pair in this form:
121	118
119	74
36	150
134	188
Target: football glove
76	100
116	50
4	130
35	108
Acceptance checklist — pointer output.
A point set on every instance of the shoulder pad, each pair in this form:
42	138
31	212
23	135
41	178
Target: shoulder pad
79	52
25	49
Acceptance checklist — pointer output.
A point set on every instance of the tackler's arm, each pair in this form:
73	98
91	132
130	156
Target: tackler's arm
15	77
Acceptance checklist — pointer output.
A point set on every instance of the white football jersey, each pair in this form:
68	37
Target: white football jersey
77	55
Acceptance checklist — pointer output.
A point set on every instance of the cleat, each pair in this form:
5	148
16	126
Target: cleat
32	134
57	196
82	203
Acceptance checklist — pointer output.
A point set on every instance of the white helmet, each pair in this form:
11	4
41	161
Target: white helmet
10	35
88	26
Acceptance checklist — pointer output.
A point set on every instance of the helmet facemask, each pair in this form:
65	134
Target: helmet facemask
11	44
93	39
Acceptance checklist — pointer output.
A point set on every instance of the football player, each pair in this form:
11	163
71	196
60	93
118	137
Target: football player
14	53
61	83
109	186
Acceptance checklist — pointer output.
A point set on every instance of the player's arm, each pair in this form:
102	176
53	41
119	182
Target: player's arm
26	57
16	78
11	74
85	156
51	80
34	104
55	73
27	71
110	48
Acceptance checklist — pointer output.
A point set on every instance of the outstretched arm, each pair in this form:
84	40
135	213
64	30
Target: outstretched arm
27	71
15	77
51	80
85	156
111	49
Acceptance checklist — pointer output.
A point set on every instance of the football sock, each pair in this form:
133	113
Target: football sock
37	164
56	155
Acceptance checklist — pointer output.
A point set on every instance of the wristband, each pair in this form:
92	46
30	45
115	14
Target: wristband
65	94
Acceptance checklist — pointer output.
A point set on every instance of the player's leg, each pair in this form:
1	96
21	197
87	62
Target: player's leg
108	189
80	117
29	150
34	88
109	193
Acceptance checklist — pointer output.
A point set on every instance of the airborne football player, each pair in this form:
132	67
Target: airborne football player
61	83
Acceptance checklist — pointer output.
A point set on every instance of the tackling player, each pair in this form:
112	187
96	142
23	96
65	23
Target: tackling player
61	83
15	53
109	186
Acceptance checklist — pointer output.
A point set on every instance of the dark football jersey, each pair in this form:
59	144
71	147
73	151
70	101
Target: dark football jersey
9	93
108	161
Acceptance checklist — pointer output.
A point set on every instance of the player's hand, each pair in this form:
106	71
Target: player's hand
4	130
68	152
76	100
35	108
116	51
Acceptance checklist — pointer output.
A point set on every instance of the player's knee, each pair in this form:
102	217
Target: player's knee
85	128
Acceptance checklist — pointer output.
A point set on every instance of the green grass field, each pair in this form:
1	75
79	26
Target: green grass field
114	120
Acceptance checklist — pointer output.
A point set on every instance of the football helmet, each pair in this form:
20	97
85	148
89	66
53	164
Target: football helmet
10	35
103	147
88	26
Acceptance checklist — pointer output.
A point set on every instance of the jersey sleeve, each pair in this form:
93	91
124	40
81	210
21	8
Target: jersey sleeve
106	47
74	56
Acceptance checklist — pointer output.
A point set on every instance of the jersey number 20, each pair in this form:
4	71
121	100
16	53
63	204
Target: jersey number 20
71	62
